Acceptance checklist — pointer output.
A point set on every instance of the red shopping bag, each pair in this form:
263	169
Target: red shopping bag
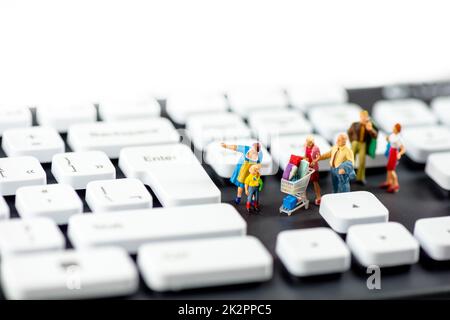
295	160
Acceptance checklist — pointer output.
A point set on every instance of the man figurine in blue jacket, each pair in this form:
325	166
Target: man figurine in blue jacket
342	163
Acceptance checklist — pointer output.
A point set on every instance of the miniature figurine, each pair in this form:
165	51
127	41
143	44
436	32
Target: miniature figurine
250	155
341	162
253	185
312	154
396	150
363	135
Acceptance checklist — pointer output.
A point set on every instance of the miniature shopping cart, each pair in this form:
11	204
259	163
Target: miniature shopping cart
296	188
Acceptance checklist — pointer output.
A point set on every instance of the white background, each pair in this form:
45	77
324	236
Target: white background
51	50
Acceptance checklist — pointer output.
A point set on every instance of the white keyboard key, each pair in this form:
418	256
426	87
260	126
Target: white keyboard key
387	244
267	125
16	172
19	236
433	235
206	128
306	97
172	172
131	229
312	251
14	117
438	169
224	161
4	209
69	274
181	105
133	109
243	101
40	142
420	142
328	120
204	263
55	201
77	169
380	159
407	112
111	137
343	210
441	108
283	147
117	194
62	116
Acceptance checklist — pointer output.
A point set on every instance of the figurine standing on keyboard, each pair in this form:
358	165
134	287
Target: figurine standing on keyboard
250	155
341	162
312	154
395	151
363	135
253	185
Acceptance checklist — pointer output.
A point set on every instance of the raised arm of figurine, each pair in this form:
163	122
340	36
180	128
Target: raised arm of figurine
228	146
371	129
324	156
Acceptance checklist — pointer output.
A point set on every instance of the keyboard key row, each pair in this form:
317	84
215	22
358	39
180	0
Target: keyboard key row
173	254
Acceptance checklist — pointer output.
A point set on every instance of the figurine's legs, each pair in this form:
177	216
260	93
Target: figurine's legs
317	192
240	190
334	179
359	149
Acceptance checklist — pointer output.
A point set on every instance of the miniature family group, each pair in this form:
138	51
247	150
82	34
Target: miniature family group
363	136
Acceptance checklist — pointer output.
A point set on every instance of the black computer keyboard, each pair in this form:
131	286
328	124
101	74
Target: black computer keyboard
419	197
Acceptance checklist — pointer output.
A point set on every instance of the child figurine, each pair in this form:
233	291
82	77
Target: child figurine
341	162
312	154
253	185
250	155
395	152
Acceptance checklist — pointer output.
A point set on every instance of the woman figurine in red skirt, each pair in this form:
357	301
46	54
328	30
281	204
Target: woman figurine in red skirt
396	151
312	154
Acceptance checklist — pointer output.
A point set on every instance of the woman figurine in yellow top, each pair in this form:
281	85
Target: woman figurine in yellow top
250	155
253	183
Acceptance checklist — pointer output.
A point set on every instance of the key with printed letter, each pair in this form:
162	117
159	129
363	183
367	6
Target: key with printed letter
181	105
206	128
386	244
62	116
55	201
223	161
343	210
421	142
313	251
268	125
14	117
438	169
329	120
132	109
120	194
172	172
16	172
130	229
111	137
40	142
78	168
19	236
407	112
70	274
191	264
